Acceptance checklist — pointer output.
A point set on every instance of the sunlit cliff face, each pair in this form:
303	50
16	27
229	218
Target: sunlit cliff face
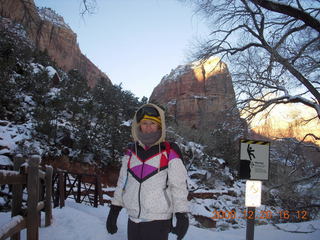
287	120
204	70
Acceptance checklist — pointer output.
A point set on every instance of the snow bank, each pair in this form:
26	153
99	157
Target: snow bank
79	221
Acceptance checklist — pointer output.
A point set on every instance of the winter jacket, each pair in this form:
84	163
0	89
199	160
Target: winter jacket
152	184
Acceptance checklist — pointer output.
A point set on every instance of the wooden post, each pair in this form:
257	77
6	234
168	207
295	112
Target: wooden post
55	191
99	190
61	181
79	189
16	194
96	192
40	197
33	197
48	205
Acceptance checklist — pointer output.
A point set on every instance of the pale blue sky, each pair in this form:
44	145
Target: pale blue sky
135	42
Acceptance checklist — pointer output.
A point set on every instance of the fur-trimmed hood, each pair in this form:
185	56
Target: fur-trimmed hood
135	125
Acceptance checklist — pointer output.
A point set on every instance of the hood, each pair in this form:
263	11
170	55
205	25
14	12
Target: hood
135	125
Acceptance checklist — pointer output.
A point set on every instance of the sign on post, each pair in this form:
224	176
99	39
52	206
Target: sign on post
254	165
253	200
253	193
254	160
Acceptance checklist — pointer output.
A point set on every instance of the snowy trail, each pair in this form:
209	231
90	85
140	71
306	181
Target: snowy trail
78	221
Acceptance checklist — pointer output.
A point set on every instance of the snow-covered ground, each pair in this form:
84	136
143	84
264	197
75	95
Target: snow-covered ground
79	221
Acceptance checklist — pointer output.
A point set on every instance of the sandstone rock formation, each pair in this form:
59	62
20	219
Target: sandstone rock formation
197	95
57	39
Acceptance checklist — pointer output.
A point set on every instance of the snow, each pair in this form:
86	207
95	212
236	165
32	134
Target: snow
53	92
13	27
79	221
11	135
220	160
14	221
9	173
50	15
127	123
209	65
199	97
172	102
36	67
175	74
51	71
4	160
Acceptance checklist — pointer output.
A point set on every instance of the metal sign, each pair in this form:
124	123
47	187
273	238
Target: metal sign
254	160
253	193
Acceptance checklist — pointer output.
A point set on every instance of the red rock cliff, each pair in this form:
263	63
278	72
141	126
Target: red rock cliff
196	95
58	40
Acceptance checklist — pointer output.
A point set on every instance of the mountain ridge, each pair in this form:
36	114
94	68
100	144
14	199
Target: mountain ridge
58	41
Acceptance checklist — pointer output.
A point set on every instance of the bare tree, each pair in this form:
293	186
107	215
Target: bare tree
272	47
88	7
273	52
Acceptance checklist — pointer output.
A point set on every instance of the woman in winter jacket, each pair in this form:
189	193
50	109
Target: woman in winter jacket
152	184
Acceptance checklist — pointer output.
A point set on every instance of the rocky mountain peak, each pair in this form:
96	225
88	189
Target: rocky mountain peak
203	70
48	14
197	94
48	32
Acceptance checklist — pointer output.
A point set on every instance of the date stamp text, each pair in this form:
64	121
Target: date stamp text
285	214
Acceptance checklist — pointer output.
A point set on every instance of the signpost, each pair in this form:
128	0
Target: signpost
253	193
254	165
254	160
253	200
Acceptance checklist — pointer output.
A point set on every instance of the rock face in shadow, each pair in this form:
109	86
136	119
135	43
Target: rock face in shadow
48	32
197	95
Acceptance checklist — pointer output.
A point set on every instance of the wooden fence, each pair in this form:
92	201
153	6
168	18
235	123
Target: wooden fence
83	188
38	185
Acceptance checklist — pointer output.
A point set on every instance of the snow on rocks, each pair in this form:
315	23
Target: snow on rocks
50	15
10	137
5	161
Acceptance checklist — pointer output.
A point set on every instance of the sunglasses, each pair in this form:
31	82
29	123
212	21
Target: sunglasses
147	110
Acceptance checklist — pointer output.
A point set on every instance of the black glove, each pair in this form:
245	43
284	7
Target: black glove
182	225
111	223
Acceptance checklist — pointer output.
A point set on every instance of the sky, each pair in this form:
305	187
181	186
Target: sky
79	221
135	42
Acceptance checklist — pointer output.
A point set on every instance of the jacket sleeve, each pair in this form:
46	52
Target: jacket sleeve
117	197
177	180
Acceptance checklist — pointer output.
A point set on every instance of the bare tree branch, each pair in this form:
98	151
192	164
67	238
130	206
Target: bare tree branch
290	11
275	54
295	181
312	135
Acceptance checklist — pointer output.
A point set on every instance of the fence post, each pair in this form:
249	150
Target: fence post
41	196
16	194
79	189
61	181
33	197
48	205
96	192
99	190
55	191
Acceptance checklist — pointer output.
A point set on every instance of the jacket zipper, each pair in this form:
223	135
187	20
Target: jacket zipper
139	193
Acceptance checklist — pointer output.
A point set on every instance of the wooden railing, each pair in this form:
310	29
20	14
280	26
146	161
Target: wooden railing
83	188
38	185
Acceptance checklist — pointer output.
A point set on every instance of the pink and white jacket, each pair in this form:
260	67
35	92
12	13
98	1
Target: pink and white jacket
152	184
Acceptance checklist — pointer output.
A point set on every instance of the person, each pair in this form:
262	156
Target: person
152	184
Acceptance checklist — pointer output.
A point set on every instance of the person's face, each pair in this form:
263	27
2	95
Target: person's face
148	126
